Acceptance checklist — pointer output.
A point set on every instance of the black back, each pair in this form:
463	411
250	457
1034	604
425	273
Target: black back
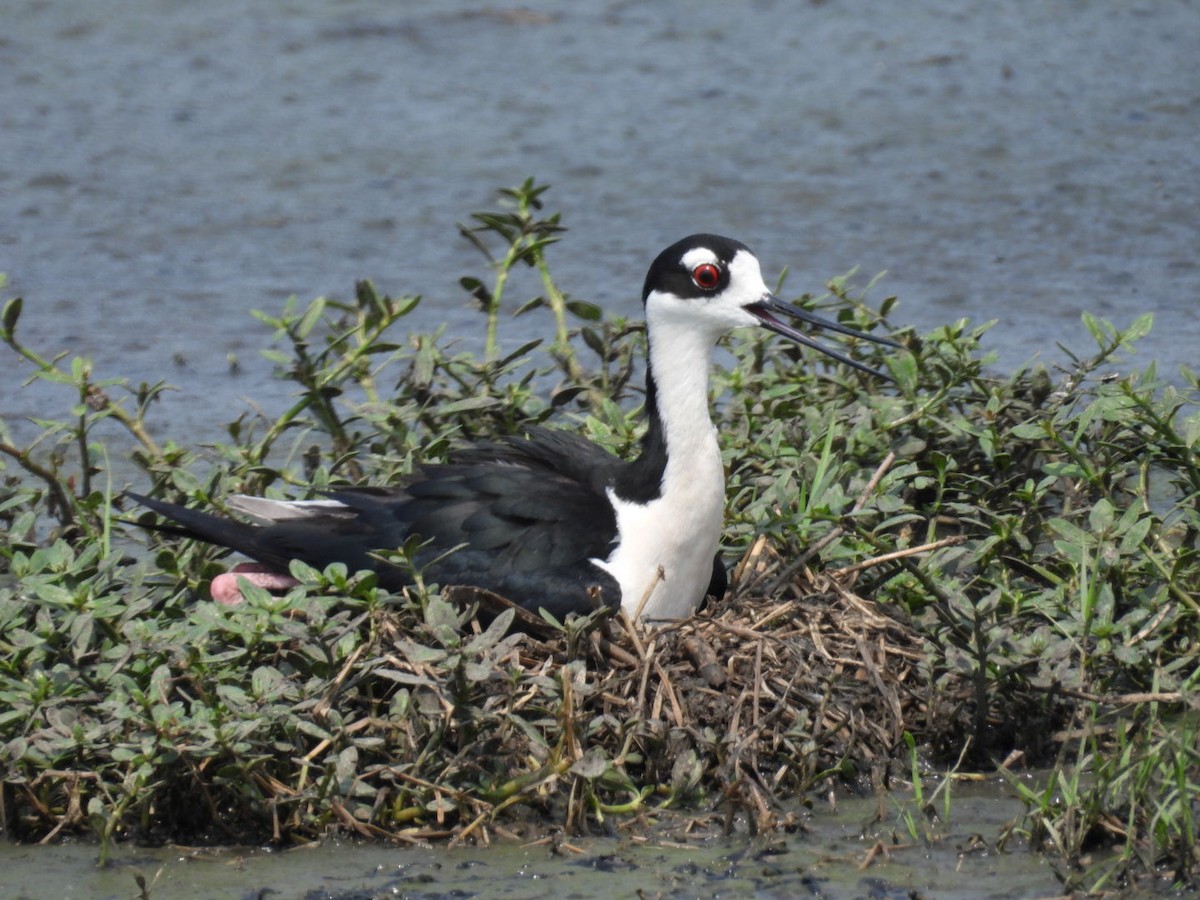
525	514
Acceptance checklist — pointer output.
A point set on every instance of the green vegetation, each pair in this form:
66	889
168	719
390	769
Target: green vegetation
963	568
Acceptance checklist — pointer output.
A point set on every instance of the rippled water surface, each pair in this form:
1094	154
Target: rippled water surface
167	166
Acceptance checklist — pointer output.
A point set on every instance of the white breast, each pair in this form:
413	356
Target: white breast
667	545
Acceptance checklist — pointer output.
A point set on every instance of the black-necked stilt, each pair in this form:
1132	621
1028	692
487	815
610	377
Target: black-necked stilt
550	520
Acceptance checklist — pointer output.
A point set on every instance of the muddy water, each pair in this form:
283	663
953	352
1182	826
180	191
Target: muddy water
165	167
831	860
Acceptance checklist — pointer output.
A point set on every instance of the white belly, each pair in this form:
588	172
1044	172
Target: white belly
667	545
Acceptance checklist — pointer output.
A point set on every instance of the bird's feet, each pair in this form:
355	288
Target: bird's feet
225	588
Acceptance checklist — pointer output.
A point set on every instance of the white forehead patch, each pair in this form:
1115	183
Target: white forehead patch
698	256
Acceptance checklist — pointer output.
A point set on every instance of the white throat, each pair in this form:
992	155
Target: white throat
680	358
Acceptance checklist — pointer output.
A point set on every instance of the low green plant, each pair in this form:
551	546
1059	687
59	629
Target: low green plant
1033	533
1124	806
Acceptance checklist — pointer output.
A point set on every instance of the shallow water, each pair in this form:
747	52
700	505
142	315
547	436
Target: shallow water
830	860
167	166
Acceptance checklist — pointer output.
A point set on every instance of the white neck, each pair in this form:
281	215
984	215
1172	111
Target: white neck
680	358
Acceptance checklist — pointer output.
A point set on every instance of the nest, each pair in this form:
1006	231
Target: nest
739	709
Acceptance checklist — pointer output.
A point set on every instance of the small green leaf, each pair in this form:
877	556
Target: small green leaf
903	367
593	340
1102	516
520	352
478	290
1029	431
495	632
478	672
444	620
529	306
1072	533
265	681
12	312
1131	540
581	309
566	395
1139	327
468	404
592	765
311	317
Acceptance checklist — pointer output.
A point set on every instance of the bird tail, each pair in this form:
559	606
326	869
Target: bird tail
192	523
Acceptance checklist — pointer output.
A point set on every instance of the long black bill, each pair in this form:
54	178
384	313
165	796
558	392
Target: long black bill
766	308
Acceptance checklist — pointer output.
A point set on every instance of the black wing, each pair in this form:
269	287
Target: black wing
527	515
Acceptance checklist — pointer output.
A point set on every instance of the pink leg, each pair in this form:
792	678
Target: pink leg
225	589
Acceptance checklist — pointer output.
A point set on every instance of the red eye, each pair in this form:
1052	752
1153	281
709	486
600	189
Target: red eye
706	276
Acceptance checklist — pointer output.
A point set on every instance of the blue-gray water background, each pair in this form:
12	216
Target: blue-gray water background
166	165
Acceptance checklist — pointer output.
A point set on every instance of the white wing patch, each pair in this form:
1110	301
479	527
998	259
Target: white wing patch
267	511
